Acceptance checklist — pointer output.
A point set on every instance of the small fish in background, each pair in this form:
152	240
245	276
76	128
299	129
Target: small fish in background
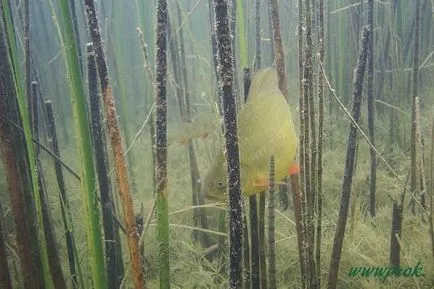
200	127
265	129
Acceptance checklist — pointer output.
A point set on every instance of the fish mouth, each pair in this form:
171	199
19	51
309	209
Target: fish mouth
211	197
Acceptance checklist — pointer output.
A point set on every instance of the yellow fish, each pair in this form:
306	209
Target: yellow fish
265	129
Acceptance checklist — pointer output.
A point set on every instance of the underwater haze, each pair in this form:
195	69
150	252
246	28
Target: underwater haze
255	144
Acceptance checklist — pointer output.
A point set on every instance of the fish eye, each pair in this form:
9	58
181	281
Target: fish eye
220	185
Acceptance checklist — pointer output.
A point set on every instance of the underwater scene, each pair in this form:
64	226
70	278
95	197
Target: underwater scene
195	144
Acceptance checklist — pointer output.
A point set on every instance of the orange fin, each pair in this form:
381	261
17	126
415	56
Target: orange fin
294	169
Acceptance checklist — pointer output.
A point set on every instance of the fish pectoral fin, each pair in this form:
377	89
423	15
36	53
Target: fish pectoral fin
294	169
260	183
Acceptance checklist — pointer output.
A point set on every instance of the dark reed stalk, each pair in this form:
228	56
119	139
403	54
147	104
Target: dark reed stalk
395	238
161	142
262	243
413	150
270	34
258	56
246	245
420	159
371	112
254	270
261	217
64	200
320	142
294	179
271	233
349	162
246	251
76	32
278	48
309	154
5	278
173	49
226	76
255	236
53	255
431	190
194	169
28	80
100	148
116	144
254	243
302	225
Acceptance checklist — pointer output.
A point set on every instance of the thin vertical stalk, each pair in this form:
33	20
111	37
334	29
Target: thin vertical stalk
150	76
271	233
83	134
262	243
253	216
226	76
349	163
53	256
241	33
413	153
300	209
161	143
395	246
261	216
431	190
278	48
5	278
310	156
258	57
64	202
246	245
76	31
254	243
270	34
28	76
320	142
371	112
101	170
116	144
246	252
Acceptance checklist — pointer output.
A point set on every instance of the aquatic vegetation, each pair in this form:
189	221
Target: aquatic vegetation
216	144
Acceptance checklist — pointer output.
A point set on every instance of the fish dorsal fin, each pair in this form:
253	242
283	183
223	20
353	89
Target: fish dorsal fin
265	80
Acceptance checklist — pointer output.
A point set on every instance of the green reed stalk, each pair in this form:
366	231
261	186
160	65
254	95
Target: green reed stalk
84	145
24	113
242	34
